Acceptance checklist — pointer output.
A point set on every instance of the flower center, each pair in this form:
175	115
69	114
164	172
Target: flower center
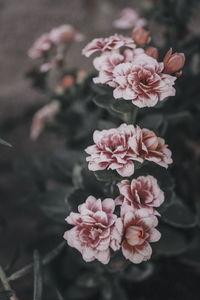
135	235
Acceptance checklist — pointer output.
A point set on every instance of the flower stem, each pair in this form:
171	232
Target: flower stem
27	269
6	284
130	116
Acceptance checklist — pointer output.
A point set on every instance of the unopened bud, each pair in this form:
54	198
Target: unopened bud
173	63
141	36
152	51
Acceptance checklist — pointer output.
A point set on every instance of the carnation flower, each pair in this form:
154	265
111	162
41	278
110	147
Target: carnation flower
118	149
128	19
142	81
42	117
112	150
150	147
107	62
143	192
41	47
65	34
107	44
138	232
92	231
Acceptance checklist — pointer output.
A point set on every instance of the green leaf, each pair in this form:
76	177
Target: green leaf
179	215
2	142
138	273
122	106
192	255
54	204
172	242
38	278
107	175
103	101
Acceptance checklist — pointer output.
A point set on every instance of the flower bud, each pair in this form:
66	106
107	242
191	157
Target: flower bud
173	62
141	36
152	51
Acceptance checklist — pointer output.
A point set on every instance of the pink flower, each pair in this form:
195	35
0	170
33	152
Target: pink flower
138	232
118	148
107	44
93	226
151	148
65	34
107	62
42	117
41	47
142	81
112	150
142	192
128	19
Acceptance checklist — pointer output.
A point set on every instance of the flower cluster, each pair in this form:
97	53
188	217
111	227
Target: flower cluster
120	148
133	72
129	222
49	47
97	229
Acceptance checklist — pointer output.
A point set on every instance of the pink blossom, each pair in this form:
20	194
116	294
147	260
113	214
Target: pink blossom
142	81
112	150
151	148
107	62
65	34
138	232
118	149
143	192
42	117
92	231
141	36
128	19
107	44
41	47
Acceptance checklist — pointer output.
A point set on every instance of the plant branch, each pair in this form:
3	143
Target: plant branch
6	284
46	259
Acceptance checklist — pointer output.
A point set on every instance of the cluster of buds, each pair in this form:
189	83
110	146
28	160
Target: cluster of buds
50	47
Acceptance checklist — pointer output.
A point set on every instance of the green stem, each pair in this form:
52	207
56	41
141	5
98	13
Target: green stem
48	258
130	117
6	284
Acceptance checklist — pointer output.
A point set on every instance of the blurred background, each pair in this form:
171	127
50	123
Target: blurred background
21	22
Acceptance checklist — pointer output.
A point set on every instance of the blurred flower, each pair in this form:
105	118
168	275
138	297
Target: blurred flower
129	18
173	63
81	76
138	232
118	148
107	44
51	46
41	47
141	36
143	192
142	81
68	81
152	51
65	34
42	117
91	234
